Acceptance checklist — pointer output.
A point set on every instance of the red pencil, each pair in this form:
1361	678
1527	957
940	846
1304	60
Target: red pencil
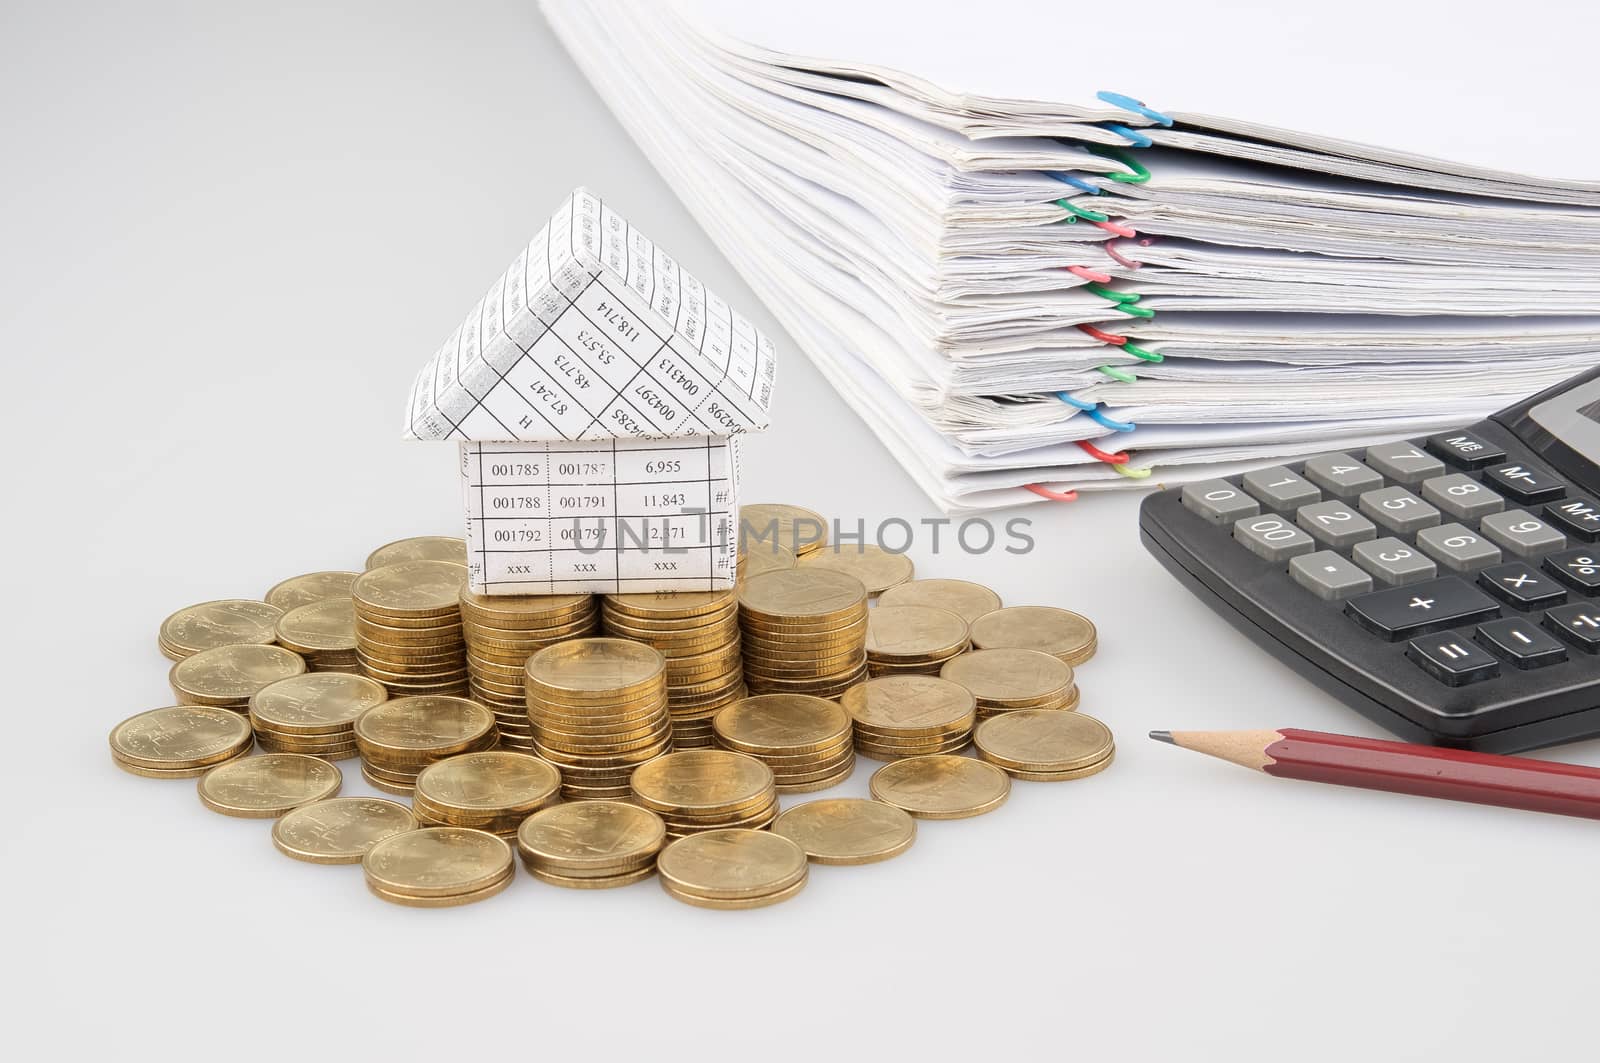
1426	771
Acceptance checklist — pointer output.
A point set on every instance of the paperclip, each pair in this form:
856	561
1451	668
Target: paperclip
1128	103
1054	496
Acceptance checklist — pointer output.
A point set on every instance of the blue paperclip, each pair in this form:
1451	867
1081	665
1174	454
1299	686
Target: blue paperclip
1079	403
1128	103
1076	182
1110	422
1136	138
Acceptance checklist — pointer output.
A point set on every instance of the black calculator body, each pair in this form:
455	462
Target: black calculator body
1446	587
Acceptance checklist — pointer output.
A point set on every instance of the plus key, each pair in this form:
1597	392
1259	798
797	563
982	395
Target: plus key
1405	612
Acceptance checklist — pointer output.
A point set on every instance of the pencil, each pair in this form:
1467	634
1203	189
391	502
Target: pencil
1400	767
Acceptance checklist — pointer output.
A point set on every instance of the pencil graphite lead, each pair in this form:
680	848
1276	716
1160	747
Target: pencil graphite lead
1163	736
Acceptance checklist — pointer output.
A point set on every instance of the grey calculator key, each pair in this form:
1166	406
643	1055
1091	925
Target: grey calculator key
1329	576
1341	475
1335	525
1219	501
1404	463
1393	562
1272	538
1398	510
1522	533
1457	548
1281	489
1461	496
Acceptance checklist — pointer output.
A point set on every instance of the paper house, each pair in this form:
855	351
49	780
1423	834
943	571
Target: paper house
598	393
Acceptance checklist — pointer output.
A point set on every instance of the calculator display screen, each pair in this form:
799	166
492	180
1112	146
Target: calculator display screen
1573	417
1591	411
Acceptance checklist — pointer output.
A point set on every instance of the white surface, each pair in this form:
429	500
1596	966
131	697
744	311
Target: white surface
204	214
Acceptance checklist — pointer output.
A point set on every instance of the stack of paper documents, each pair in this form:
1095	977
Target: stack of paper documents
1043	249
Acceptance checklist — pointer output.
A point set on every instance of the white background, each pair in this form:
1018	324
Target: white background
227	240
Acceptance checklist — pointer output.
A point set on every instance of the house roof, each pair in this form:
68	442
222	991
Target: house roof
594	333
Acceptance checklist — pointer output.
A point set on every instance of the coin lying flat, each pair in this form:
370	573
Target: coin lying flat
914	634
493	790
1045	741
420	548
186	739
411	588
911	706
437	862
267	786
967	600
764	557
595	666
847	830
319	626
316	703
1058	632
766	524
702	780
808	596
1007	679
229	675
731	865
311	587
339	830
875	567
230	622
941	787
591	839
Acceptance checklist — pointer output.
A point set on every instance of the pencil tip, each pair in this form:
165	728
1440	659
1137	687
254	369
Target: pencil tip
1163	736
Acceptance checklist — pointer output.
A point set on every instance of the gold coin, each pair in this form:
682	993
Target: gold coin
316	703
423	724
517	609
594	882
1062	776
437	862
596	668
1058	632
420	548
411	588
782	723
702	780
914	633
875	567
176	773
764	557
1009	677
328	625
339	830
847	830
267	786
311	587
399	789
1045	740
764	525
450	900
741	903
493	781
944	786
230	622
331	753
180	737
593	835
891	753
669	605
801	596
731	864
229	675
967	600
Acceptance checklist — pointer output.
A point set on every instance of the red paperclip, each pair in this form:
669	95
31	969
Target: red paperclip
1089	274
1054	496
1120	230
1109	247
1103	336
1119	458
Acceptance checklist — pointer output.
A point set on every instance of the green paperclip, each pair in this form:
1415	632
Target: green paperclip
1112	294
1116	373
1139	352
1132	474
1082	212
1139	175
1135	311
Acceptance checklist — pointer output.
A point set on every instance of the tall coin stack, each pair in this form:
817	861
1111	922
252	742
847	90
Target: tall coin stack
804	631
598	707
502	632
698	634
401	737
913	639
492	791
707	789
324	633
408	627
806	741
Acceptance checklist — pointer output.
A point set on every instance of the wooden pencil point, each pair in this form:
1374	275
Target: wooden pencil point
1163	736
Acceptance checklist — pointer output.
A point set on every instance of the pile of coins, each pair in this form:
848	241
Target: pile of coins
806	741
877	569
324	633
492	791
313	713
733	869
179	742
408	626
231	622
804	631
591	845
1059	632
1045	745
398	738
268	786
438	867
1003	680
502	632
599	710
227	676
910	716
698	634
698	790
311	587
913	639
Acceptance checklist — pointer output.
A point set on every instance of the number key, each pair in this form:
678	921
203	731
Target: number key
1578	569
1521	533
1272	538
1461	496
1404	463
1281	489
1341	475
1393	562
1399	510
1457	548
1218	501
1335	525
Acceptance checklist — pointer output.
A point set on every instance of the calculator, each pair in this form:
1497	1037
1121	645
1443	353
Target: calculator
1446	587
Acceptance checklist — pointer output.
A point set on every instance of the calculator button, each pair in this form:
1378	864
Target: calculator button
1272	538
1404	463
1578	569
1335	524
1578	624
1341	475
1393	562
1398	510
1465	450
1281	489
1521	585
1524	484
1457	548
1578	516
1329	576
1453	660
1461	496
1519	642
1219	502
1521	533
1405	612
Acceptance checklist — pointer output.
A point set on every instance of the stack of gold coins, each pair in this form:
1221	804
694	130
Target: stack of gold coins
733	869
324	633
804	631
1059	632
806	741
756	558
1045	745
910	716
599	709
408	626
419	548
179	742
313	713
228	675
763	525
268	786
438	867
967	600
1003	680
231	622
706	789
397	739
698	634
502	632
311	587
591	844
913	639
493	791
877	569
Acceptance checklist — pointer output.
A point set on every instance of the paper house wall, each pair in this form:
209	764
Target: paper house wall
598	393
